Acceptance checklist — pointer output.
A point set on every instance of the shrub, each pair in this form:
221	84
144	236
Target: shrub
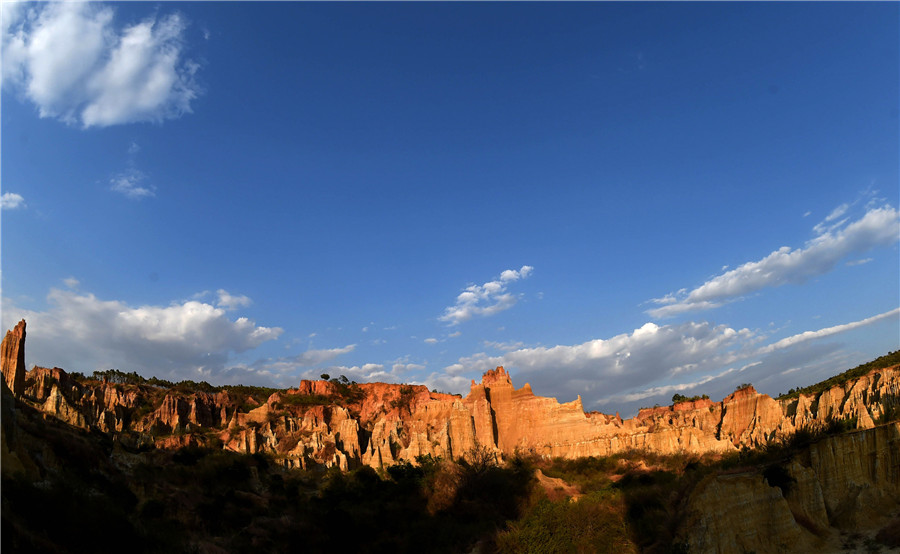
681	398
595	523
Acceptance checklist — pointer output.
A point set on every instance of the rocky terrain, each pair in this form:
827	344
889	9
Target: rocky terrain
804	498
333	423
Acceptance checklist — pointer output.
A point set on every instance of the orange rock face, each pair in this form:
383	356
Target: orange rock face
12	358
325	424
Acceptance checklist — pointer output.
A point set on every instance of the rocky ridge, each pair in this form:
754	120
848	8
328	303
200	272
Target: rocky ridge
333	423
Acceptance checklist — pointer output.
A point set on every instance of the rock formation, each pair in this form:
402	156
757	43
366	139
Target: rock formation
330	423
843	482
381	424
12	358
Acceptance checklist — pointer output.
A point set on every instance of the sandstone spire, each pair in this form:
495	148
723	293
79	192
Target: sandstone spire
13	358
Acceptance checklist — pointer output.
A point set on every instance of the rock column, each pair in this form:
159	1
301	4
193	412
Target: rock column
13	359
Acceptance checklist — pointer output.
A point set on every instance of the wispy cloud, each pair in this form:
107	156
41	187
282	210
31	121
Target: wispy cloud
132	183
834	241
504	346
232	301
487	299
828	331
11	201
71	61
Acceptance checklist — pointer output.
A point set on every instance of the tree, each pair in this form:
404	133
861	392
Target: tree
325	376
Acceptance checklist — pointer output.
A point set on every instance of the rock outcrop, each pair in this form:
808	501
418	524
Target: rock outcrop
843	482
12	358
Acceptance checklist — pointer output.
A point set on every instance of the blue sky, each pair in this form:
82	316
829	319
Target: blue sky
618	201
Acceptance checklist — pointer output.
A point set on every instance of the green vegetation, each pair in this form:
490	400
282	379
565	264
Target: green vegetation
247	397
593	524
634	498
676	398
302	400
888	360
346	390
742	386
891	409
201	499
406	395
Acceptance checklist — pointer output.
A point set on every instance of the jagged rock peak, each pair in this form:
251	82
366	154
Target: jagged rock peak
13	358
494	376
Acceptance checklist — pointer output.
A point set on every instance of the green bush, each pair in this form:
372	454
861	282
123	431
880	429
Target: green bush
595	523
676	398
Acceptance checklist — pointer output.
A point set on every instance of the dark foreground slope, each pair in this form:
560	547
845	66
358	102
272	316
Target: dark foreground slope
118	462
72	490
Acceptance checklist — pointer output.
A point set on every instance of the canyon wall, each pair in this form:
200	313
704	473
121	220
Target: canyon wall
382	424
847	482
330	423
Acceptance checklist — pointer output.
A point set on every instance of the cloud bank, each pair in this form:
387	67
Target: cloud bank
603	367
833	242
74	64
187	340
653	361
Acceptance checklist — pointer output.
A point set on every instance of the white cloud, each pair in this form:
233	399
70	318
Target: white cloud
230	301
878	227
81	332
665	390
654	361
828	223
75	64
406	367
285	370
487	299
599	367
859	262
431	340
368	372
130	182
828	331
314	357
505	346
453	384
513	275
11	201
71	282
